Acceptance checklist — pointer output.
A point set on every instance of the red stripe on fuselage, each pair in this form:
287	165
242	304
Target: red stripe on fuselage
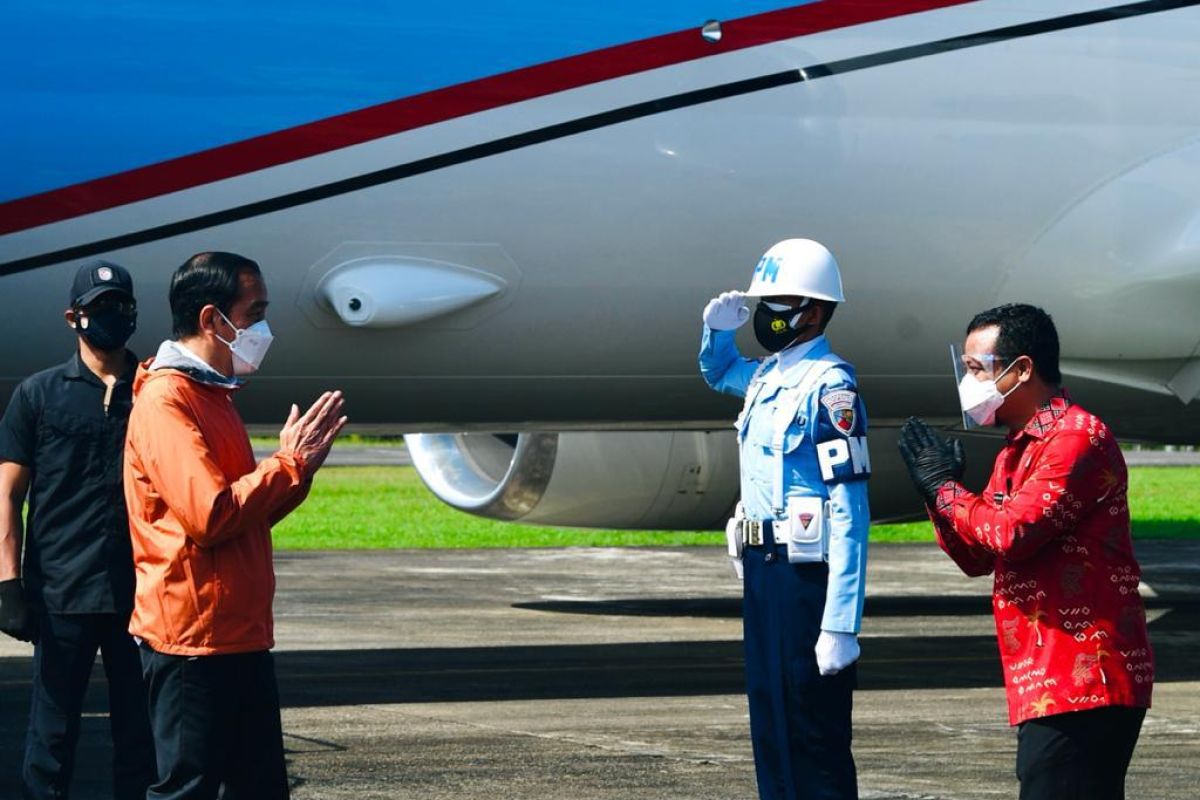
397	116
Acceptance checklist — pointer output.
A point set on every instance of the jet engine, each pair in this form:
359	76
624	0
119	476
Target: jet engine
663	480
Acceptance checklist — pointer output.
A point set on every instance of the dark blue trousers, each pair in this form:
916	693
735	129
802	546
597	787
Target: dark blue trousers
62	664
216	724
799	720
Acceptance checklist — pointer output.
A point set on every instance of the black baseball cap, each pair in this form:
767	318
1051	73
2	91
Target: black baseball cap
97	278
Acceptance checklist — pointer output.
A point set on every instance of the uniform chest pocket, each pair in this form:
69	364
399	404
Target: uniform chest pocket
778	420
63	423
793	423
67	423
70	443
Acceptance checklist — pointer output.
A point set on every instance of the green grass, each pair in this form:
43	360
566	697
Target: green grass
1165	502
386	507
919	531
382	507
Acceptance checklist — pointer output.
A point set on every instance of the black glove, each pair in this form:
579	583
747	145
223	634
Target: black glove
15	619
931	459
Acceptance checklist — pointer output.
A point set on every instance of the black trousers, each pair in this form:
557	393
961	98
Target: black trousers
216	722
1082	755
62	664
799	719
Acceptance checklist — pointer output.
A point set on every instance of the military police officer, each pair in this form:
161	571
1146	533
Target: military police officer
800	533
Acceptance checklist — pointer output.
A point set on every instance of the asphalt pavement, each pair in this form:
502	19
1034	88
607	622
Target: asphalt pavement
610	674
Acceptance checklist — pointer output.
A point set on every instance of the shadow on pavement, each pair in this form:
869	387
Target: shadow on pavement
731	607
651	669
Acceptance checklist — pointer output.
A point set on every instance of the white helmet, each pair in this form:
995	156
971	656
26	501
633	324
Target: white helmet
799	267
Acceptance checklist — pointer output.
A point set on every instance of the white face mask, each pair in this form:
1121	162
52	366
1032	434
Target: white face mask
249	345
981	400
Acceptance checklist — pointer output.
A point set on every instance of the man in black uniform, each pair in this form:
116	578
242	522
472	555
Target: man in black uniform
61	442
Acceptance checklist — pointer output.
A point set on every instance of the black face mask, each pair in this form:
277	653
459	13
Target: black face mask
773	329
107	329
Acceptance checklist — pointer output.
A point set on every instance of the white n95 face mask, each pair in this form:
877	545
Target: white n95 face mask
249	345
980	400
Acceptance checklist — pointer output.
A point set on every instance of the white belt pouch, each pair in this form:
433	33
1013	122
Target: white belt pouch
734	541
807	530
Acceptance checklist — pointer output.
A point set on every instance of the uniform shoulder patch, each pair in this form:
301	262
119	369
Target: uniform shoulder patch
840	405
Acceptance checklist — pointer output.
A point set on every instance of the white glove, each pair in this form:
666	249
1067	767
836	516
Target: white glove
836	651
726	311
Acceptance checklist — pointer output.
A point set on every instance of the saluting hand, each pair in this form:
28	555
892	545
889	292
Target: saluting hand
727	311
310	436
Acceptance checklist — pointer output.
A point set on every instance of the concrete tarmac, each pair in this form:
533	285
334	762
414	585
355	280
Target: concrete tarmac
609	674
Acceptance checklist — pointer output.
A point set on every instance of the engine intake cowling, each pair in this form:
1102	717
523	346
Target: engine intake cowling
663	480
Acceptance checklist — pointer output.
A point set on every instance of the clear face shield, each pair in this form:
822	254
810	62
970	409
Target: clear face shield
976	375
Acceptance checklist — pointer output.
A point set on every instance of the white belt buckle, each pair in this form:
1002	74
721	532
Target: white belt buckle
752	532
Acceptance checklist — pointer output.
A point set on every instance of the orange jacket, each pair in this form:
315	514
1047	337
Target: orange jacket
200	515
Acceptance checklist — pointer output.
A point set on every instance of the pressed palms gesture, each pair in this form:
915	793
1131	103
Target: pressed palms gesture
310	435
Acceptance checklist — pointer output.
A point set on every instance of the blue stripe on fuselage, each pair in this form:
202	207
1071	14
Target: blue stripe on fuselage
92	89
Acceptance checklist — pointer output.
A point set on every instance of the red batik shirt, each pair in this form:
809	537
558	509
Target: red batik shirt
1053	524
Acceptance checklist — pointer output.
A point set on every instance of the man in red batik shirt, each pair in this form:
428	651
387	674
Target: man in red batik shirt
1053	526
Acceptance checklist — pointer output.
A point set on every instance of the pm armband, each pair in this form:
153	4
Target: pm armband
844	459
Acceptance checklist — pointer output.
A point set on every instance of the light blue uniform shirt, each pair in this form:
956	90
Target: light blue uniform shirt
824	452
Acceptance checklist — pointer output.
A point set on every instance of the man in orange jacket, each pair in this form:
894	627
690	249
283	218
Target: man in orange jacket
200	514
